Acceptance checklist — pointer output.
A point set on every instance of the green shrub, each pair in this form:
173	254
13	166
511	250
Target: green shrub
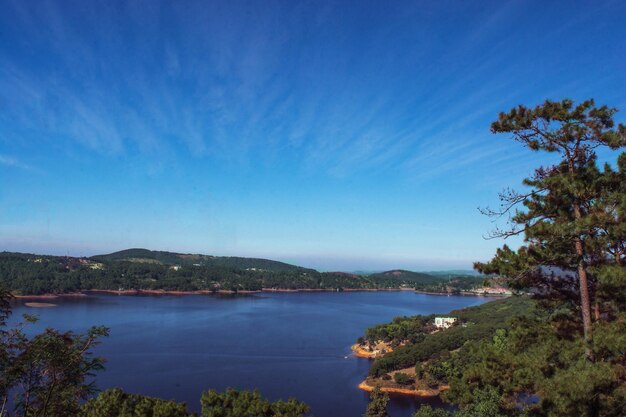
402	378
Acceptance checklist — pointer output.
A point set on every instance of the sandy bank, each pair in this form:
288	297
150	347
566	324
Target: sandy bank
368	386
359	352
377	351
40	305
418	388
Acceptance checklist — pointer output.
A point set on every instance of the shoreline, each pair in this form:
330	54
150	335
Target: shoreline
359	352
49	296
85	293
417	389
463	293
422	393
167	292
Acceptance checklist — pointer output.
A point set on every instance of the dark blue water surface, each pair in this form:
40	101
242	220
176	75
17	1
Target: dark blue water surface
284	344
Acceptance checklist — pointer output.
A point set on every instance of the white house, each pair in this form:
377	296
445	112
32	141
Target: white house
444	322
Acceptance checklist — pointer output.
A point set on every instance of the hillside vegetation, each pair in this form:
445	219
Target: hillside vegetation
141	269
172	258
416	339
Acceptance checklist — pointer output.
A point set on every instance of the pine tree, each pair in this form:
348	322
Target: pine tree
428	411
377	406
560	219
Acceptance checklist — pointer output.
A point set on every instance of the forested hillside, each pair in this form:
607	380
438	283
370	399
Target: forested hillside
141	269
172	258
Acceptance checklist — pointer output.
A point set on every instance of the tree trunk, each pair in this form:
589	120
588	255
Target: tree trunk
585	304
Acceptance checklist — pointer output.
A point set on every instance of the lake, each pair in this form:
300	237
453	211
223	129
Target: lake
284	344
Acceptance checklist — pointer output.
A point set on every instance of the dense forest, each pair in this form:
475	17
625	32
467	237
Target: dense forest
172	258
140	269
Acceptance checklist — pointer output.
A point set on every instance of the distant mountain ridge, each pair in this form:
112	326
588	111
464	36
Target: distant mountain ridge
174	258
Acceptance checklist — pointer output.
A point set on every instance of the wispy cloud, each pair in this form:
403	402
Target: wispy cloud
286	110
12	162
244	84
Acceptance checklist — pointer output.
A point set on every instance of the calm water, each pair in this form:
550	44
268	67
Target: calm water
286	345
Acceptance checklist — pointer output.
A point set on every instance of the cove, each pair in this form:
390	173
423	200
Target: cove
283	344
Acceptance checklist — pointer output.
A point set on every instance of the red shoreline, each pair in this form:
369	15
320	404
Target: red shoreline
85	293
50	296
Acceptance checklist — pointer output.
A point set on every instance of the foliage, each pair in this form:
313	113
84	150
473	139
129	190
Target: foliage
48	374
235	403
117	403
437	371
573	258
486	403
477	323
140	269
534	368
172	258
377	406
429	282
428	411
232	403
400	330
572	217
402	379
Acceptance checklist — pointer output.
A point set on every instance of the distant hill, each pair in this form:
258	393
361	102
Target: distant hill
172	258
422	281
143	269
454	273
404	276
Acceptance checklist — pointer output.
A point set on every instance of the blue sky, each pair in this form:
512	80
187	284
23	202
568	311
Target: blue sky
337	135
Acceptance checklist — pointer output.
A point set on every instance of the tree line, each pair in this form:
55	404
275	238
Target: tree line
28	274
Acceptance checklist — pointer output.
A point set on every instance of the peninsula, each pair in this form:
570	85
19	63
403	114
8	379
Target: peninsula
413	355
